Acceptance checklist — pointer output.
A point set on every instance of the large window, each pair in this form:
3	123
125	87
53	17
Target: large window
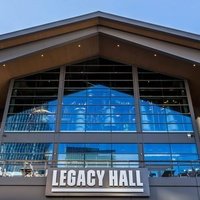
15	155
174	159
170	152
33	103
98	155
98	97
163	103
26	151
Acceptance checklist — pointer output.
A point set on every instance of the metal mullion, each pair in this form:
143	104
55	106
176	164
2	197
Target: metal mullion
137	113
192	115
163	96
137	99
163	88
33	80
59	108
97	65
29	104
36	88
175	105
121	80
60	98
33	96
6	109
166	80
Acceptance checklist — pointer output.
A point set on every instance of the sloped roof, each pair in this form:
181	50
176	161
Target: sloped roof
100	34
104	22
100	14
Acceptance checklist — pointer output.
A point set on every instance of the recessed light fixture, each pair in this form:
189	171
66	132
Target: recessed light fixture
42	55
118	45
155	54
79	45
194	65
190	135
4	65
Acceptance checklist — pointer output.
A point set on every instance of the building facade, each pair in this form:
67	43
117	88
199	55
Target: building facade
92	102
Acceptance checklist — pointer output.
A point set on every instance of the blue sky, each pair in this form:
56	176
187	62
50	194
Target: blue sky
179	14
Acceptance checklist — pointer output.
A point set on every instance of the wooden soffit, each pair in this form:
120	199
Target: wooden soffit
100	35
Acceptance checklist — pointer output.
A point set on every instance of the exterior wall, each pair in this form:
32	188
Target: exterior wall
160	189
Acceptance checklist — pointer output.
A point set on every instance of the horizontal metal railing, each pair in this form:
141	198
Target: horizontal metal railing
39	168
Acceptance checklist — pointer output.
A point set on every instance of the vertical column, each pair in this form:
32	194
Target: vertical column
198	124
137	112
137	99
192	116
60	98
59	109
6	109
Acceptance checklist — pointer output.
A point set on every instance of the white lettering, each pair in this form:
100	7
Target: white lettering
54	178
81	178
123	181
63	177
100	176
91	178
71	178
113	178
131	182
138	178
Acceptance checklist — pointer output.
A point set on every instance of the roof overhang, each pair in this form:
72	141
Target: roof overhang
155	44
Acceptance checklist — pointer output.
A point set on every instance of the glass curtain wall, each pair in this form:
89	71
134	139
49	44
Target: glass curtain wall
98	155
14	156
163	103
26	151
33	103
98	99
170	152
175	159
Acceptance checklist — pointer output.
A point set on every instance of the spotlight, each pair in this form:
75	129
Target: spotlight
189	135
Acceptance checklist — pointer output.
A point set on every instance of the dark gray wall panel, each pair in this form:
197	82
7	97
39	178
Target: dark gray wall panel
19	188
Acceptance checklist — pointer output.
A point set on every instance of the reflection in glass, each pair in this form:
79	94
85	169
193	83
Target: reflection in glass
23	152
98	99
170	152
33	104
98	114
163	103
36	119
175	158
26	151
98	155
